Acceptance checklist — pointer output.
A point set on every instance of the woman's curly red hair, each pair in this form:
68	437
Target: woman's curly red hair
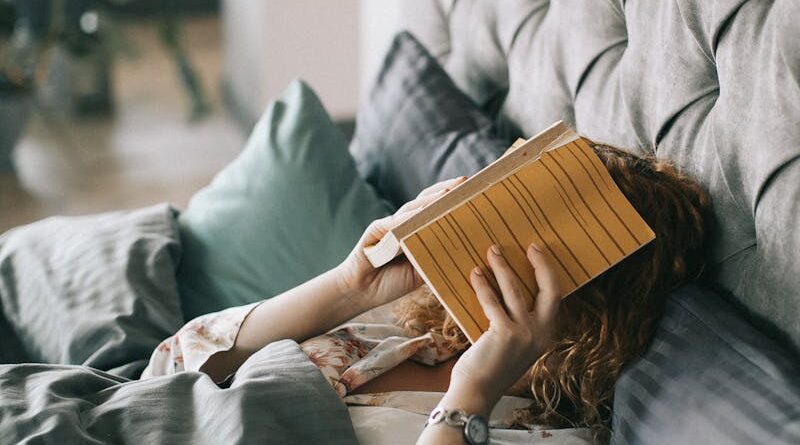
608	322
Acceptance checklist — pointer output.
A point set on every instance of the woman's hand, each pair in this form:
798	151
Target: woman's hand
397	278
518	333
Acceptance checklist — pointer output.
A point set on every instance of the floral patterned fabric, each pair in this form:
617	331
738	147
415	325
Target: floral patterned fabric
357	353
349	357
197	341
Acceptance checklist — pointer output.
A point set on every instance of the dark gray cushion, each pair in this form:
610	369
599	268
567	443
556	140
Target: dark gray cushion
96	290
418	128
708	378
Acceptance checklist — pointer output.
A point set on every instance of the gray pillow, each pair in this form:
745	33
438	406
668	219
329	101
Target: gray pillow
96	290
708	378
417	127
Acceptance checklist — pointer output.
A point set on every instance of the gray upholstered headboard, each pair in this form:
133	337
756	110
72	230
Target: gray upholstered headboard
713	85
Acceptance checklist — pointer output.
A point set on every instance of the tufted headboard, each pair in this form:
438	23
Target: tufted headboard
712	85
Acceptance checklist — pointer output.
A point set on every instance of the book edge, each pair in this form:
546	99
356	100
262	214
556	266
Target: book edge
436	209
565	138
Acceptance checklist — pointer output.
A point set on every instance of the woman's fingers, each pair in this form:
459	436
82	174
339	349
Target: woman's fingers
376	230
379	227
449	183
426	197
549	297
515	296
487	297
420	202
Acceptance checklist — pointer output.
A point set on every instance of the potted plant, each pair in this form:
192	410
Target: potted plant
58	53
15	83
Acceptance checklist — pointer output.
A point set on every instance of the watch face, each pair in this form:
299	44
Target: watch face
477	431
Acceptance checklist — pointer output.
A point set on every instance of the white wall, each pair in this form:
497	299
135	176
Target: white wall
270	42
379	22
336	45
242	29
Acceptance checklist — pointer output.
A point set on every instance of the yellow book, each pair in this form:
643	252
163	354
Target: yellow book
551	190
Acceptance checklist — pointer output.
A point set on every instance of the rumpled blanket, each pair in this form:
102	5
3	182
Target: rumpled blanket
277	397
100	291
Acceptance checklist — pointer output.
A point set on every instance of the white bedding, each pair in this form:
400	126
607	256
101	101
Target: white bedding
402	424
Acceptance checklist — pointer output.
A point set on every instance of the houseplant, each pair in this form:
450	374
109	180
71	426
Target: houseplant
59	53
15	101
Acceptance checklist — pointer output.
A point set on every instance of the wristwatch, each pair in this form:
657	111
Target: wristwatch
476	429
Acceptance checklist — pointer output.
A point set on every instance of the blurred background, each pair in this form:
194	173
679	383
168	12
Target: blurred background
119	104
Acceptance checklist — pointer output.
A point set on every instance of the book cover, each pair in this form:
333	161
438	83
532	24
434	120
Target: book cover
551	190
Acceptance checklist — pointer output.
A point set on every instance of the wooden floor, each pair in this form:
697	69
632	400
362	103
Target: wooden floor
147	153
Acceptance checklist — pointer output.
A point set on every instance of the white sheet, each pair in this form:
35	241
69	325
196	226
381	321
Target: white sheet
402	424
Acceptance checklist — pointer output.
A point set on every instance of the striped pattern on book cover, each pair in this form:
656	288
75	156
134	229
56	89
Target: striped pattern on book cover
564	200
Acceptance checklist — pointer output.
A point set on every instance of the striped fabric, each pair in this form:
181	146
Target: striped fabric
277	397
93	290
417	127
100	291
708	378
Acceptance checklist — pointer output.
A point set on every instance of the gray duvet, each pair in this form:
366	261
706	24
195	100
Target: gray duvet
89	298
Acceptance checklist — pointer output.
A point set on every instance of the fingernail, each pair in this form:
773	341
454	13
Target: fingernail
477	271
534	248
496	250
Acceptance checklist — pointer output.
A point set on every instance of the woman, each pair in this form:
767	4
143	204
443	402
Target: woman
563	356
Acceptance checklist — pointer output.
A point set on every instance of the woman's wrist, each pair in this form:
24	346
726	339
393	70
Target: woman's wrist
353	296
471	399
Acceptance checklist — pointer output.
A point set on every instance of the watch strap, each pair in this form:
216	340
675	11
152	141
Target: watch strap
460	419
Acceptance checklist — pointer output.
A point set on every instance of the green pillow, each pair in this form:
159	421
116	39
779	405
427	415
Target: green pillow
290	207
